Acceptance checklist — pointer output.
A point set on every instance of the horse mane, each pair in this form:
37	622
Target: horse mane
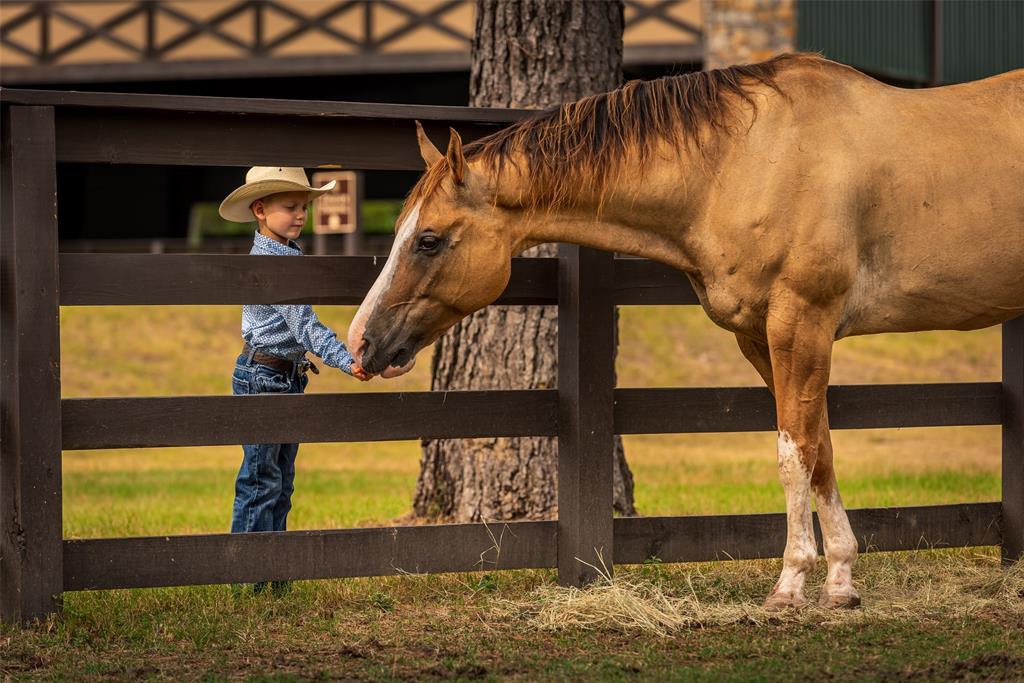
583	144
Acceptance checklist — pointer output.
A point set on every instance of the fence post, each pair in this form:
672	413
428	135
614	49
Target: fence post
1013	440
586	348
31	566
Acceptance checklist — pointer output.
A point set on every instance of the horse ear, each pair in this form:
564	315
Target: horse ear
456	160
428	151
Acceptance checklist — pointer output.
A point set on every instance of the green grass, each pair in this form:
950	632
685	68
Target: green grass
458	626
192	492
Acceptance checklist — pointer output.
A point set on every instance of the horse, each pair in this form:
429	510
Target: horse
805	201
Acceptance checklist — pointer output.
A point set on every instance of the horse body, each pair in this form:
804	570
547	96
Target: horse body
805	201
907	206
938	209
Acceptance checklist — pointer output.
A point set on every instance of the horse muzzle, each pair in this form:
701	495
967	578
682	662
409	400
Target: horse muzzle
388	360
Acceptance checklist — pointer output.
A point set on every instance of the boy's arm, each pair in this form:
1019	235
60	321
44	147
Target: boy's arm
316	337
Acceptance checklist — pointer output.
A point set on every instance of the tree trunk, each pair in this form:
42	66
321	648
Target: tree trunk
528	54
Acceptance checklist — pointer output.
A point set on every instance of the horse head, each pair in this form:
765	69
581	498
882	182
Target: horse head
451	256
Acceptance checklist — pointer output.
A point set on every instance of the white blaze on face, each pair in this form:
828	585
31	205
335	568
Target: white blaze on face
403	235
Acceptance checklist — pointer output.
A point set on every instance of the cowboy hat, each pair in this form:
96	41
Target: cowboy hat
262	181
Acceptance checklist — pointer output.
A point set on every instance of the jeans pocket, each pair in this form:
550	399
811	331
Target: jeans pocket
240	386
271	383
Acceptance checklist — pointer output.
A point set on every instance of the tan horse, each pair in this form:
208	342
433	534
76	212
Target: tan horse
805	201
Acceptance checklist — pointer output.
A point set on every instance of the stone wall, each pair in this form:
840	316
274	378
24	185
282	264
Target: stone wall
744	31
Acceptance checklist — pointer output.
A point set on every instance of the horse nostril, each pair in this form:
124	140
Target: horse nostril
399	358
364	349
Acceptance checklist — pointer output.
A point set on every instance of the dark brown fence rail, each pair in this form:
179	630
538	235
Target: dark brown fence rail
220	558
41	129
91	423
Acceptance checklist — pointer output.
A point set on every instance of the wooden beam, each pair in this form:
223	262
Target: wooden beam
752	409
91	423
250	106
262	65
416	20
201	28
30	444
148	279
96	33
1013	440
276	556
586	382
160	279
223	558
747	537
649	283
153	137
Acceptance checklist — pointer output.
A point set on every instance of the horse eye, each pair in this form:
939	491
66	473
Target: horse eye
427	243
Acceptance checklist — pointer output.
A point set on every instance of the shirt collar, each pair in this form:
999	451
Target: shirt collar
265	245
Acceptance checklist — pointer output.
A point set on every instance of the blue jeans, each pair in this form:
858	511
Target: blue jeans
266	479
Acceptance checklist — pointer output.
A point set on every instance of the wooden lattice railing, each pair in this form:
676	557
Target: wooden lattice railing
42	129
62	40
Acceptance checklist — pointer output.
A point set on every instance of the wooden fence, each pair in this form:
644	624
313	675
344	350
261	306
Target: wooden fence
41	129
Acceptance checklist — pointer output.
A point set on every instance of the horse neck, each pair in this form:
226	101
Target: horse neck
647	216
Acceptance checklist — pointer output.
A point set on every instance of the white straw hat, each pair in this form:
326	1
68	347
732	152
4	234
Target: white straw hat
262	181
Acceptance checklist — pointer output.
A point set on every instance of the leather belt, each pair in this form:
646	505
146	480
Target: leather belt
278	363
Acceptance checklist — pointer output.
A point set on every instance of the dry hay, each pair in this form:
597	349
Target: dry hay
921	586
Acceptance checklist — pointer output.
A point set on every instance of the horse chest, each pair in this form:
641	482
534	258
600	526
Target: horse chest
731	303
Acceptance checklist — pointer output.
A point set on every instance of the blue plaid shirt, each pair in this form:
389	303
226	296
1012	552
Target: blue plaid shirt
289	331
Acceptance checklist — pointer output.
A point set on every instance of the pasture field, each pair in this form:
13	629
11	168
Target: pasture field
928	615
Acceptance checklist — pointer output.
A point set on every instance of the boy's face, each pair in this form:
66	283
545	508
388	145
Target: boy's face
283	213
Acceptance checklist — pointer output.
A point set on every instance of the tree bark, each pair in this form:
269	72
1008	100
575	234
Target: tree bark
528	54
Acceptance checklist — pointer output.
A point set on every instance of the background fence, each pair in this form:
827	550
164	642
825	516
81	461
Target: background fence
41	129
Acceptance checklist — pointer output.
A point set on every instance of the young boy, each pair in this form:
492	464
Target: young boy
276	338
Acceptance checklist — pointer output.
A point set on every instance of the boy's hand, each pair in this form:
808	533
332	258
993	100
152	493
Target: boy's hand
360	374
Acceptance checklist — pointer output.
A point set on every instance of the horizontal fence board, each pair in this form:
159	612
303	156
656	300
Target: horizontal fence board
644	282
229	558
151	136
915	405
247	105
746	537
162	279
90	423
170	279
747	409
149	129
382	64
693	410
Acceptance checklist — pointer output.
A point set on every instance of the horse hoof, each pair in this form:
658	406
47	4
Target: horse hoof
780	601
839	601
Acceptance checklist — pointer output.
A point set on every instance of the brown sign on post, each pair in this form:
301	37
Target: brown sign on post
336	212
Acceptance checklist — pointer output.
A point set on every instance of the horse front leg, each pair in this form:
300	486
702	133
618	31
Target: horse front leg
800	348
840	543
